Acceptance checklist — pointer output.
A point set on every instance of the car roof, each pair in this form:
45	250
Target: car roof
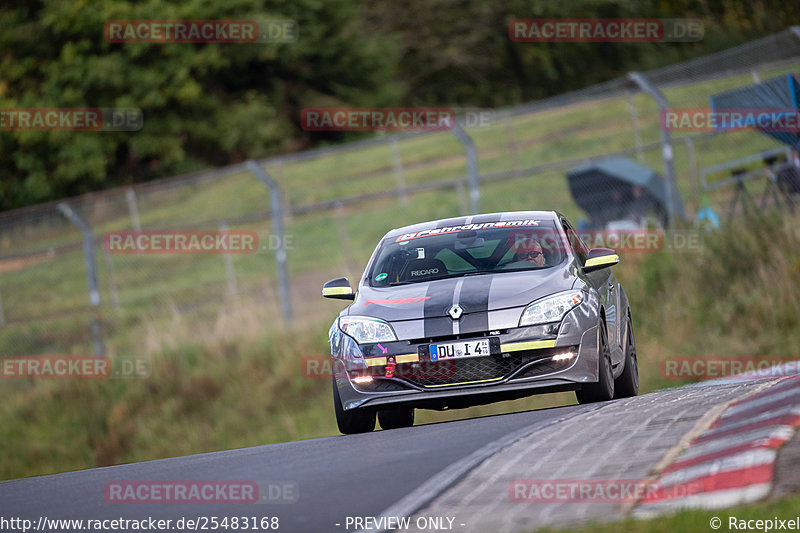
505	216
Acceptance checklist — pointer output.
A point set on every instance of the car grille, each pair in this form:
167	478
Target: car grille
466	370
455	371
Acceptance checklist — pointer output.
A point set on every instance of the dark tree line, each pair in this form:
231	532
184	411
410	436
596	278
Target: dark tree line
215	104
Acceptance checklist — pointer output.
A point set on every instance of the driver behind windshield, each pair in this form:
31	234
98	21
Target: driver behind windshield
531	256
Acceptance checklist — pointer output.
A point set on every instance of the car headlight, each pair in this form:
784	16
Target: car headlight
367	330
550	309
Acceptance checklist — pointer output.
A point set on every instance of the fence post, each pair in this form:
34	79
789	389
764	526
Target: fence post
130	196
637	134
91	274
287	204
230	271
472	168
112	283
666	142
692	165
277	228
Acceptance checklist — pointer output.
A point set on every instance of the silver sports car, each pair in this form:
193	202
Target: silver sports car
474	310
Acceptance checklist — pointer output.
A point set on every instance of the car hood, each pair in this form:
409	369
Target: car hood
475	294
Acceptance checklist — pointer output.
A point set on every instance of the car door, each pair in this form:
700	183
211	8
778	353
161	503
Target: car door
602	281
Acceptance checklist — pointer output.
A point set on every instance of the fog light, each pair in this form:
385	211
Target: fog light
363	379
563	356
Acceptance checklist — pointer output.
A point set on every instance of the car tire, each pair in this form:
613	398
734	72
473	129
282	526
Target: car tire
603	389
352	421
396	418
627	384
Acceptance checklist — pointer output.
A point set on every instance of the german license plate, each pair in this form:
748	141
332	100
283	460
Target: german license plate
456	350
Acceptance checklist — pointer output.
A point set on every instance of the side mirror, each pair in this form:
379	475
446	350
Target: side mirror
600	258
339	289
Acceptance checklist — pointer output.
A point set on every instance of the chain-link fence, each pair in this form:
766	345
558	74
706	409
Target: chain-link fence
337	202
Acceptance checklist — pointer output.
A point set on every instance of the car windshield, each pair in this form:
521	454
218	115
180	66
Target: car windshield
466	250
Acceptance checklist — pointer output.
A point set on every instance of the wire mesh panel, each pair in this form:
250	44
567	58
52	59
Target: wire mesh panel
339	201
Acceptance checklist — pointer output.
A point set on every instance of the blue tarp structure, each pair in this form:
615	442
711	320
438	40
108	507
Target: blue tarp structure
619	188
781	93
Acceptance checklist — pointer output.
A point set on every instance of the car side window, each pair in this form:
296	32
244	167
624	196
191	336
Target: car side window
575	242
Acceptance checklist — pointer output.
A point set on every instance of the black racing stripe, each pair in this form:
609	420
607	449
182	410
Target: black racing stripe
437	322
475	301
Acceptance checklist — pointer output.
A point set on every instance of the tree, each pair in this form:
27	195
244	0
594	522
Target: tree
203	104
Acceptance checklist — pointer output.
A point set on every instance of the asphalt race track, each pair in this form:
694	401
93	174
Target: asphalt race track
335	477
720	438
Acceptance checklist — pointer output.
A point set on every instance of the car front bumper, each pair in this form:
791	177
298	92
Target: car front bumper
522	363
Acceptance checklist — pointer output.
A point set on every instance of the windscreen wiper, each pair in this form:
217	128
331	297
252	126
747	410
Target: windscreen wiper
476	272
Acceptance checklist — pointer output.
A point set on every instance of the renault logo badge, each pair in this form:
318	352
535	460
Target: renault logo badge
455	312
